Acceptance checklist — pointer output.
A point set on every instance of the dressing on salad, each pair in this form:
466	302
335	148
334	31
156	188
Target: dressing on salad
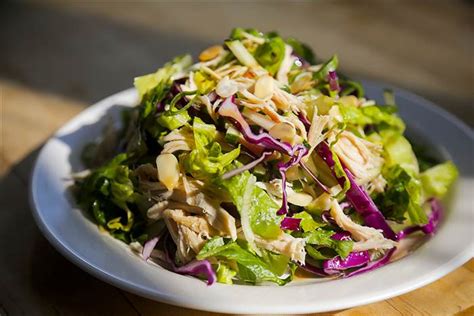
258	161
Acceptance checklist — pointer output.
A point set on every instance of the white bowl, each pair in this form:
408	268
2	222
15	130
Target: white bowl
77	238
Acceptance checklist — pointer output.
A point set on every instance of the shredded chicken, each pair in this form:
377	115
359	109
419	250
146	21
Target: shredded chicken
366	237
284	244
189	233
361	157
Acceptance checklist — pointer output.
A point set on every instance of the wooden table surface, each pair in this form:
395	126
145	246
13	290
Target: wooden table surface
55	60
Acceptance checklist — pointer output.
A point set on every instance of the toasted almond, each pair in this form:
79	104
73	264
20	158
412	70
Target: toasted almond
284	131
210	53
168	170
264	87
226	87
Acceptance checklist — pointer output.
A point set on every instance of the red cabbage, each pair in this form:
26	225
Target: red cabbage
374	264
304	120
353	260
248	166
358	197
333	81
313	269
341	236
148	247
290	223
313	176
198	268
195	268
282	168
230	110
433	221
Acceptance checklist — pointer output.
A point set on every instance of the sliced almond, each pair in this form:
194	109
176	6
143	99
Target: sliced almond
284	131
264	87
210	53
226	87
168	170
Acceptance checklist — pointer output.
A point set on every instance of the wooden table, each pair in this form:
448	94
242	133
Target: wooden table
58	59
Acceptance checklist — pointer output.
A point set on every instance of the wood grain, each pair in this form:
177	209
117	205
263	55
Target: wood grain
38	94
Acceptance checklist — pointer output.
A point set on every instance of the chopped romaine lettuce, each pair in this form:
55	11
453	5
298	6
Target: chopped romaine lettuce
438	179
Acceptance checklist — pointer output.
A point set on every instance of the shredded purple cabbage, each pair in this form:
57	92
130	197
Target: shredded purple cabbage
358	197
374	264
283	168
353	260
333	81
248	166
313	176
148	247
230	110
433	221
304	120
195	268
341	236
290	223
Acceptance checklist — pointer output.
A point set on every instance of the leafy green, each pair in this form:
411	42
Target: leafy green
173	120
403	195
307	221
238	33
271	54
263	218
321	238
146	83
252	269
323	72
398	151
381	116
438	179
204	82
225	273
302	50
206	159
107	192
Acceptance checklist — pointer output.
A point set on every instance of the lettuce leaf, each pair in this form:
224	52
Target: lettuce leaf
206	159
225	273
307	221
323	72
252	269
381	116
403	195
302	50
106	193
271	54
437	180
146	83
263	218
321	238
398	151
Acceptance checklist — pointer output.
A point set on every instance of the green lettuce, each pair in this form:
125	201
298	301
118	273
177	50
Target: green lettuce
107	192
207	159
263	218
307	221
398	151
323	72
381	116
252	268
302	50
437	180
321	238
271	54
146	83
403	195
224	273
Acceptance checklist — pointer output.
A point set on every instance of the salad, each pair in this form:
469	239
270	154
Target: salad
259	162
